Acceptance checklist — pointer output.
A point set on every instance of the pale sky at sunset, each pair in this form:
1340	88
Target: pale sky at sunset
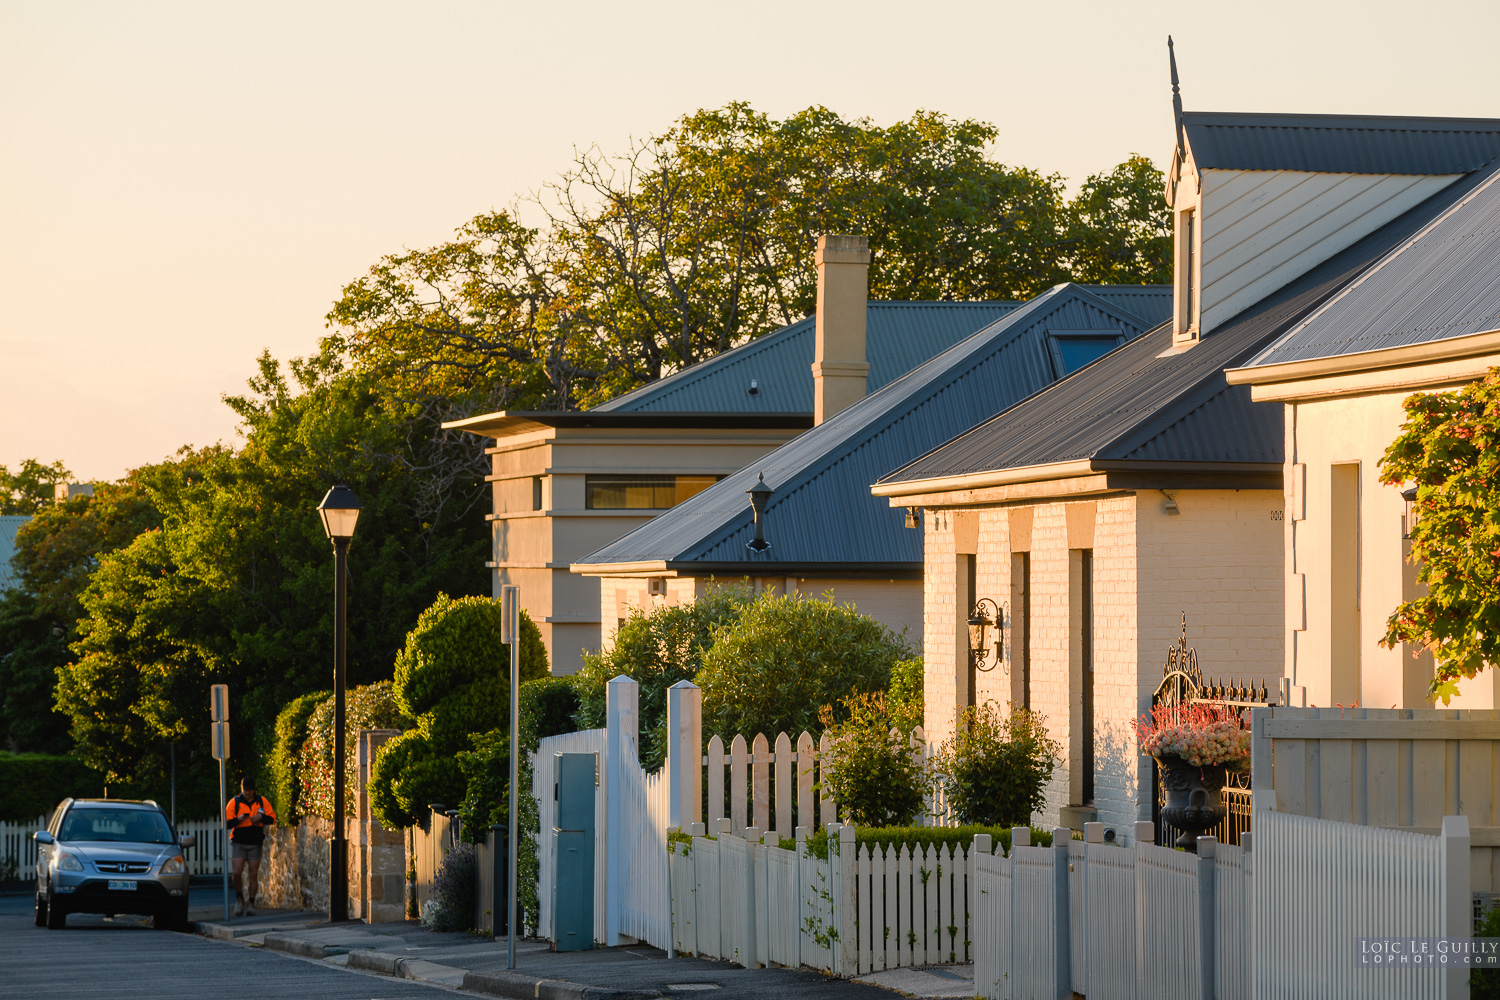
185	184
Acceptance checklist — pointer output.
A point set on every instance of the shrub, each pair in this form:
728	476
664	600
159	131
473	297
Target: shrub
870	769
34	783
997	765
486	774
785	658
369	707
450	907
284	765
657	648
882	837
1484	984
548	707
905	697
453	677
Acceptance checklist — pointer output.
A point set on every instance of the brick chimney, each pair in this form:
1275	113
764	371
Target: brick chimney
840	371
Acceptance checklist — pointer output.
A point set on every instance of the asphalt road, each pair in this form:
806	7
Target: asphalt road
125	958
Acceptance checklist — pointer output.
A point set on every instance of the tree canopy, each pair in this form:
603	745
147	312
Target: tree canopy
30	488
1449	448
635	265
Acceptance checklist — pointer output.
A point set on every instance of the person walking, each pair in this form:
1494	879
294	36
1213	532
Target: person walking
246	816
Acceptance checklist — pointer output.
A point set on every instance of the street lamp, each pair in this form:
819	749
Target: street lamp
339	511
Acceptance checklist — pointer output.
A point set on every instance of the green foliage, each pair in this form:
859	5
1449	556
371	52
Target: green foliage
656	649
547	708
372	706
486	771
870	769
905	698
920	836
997	765
452	677
1484	984
451	905
30	488
1449	447
33	646
773	669
637	264
33	783
284	765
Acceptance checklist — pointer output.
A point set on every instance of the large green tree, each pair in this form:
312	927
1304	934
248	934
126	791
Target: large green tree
1449	449
31	487
631	266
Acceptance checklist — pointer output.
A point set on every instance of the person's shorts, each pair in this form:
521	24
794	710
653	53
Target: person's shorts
249	852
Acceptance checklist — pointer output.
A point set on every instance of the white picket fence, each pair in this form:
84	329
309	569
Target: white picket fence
18	849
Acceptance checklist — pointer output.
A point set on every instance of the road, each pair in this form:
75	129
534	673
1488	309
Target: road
125	958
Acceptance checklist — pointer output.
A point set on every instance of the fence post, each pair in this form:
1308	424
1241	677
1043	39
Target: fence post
1458	913
1207	849
1062	927
983	844
753	914
848	946
684	754
622	703
1145	835
1261	778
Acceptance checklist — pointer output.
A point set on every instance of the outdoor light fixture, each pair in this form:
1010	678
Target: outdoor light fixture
1171	504
339	511
982	616
1408	511
760	495
911	518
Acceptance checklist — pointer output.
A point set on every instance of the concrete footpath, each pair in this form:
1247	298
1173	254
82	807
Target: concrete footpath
477	964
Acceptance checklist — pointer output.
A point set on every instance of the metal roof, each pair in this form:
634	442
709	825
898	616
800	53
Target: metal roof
899	336
9	525
822	513
1144	404
1355	144
1444	282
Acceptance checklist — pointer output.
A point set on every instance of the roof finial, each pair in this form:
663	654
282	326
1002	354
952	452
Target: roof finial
1176	94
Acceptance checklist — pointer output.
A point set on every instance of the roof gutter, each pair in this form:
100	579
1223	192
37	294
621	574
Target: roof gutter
1058	471
507	422
1453	348
678	568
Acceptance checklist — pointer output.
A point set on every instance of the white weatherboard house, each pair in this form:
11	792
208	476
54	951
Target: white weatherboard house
1150	485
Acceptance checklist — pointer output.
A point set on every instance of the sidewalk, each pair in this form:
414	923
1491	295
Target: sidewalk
408	950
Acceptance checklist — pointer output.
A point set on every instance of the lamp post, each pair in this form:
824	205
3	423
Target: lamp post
339	510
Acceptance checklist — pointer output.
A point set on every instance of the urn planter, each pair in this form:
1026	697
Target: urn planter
1194	803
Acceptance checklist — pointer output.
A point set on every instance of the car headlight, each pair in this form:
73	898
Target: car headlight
172	866
68	862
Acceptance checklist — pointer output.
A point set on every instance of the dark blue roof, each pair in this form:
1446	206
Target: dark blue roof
1143	406
1354	144
899	336
1442	283
822	513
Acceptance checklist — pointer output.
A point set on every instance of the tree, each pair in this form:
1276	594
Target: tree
701	238
30	488
1449	447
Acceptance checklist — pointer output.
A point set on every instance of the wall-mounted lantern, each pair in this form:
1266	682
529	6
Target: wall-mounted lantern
760	495
986	614
1408	511
913	519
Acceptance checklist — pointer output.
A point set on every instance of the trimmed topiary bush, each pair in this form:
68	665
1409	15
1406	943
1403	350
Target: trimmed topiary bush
284	765
997	765
785	658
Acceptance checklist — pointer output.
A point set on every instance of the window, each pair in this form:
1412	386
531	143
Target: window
1020	634
642	492
1073	349
1186	277
536	492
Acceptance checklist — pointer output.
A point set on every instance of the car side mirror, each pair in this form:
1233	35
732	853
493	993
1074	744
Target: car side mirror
187	840
42	837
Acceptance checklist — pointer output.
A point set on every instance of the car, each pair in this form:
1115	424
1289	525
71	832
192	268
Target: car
111	856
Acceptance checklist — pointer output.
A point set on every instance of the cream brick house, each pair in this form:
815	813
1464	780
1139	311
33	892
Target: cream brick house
1149	485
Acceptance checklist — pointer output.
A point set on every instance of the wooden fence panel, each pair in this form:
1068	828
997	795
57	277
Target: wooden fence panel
738	766
761	771
715	766
1110	914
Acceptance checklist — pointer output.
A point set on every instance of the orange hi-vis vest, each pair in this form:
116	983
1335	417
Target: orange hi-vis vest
240	814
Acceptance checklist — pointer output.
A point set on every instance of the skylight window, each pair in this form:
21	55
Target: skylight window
1074	349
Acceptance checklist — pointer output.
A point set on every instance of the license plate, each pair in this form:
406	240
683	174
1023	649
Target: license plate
122	883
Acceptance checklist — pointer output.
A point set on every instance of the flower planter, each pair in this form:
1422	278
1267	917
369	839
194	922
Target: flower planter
1194	803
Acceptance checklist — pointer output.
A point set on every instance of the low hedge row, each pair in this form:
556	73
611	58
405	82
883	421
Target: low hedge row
920	836
34	783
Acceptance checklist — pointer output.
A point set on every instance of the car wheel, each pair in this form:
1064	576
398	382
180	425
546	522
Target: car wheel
41	909
57	917
173	918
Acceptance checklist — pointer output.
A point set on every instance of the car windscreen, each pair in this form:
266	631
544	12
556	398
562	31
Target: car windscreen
135	826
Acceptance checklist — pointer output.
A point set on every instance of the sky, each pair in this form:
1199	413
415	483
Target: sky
184	185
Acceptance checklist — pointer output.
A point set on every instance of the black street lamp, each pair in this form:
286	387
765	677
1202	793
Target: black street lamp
339	510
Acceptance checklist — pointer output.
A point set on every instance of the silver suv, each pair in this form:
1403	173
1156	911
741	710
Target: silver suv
111	856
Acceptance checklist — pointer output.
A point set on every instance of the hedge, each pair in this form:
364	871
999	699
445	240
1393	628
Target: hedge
284	766
920	836
34	783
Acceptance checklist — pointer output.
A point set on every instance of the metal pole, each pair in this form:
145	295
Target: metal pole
224	837
512	609
174	786
338	870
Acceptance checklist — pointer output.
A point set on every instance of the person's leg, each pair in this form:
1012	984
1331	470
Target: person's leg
236	868
254	882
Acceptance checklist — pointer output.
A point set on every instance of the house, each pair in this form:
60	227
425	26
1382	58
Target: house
1149	486
1426	318
10	524
566	484
825	531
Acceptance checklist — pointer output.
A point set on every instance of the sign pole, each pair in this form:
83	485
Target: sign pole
224	834
510	607
218	710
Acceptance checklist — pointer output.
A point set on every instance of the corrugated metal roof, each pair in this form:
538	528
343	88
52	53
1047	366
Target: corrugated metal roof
1355	144
822	512
9	525
1444	282
1139	404
899	336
